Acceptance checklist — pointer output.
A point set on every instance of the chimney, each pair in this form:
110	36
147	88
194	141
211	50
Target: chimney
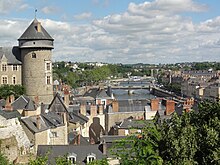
36	99
154	104
101	109
12	98
38	124
93	110
104	147
64	116
78	139
115	106
92	141
83	109
8	106
38	27
66	96
170	107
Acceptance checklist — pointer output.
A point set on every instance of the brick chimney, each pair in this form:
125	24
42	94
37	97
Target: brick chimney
8	106
38	124
115	106
104	147
154	104
12	98
92	141
66	96
170	107
36	100
83	109
93	110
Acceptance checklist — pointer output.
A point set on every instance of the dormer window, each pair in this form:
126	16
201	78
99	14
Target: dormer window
72	158
90	157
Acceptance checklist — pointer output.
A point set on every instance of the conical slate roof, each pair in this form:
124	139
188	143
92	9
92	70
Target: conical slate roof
31	33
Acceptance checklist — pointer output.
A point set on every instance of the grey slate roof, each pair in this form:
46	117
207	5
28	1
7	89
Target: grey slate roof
10	114
131	105
47	120
73	136
81	152
57	104
97	93
12	54
78	118
2	103
23	102
31	33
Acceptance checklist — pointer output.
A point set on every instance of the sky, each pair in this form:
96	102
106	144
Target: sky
120	31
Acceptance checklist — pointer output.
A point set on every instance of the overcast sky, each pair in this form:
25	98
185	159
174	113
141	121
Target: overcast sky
120	31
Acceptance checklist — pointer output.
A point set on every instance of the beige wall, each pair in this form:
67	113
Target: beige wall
10	73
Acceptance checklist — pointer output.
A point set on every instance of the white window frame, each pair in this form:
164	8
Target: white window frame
89	157
72	157
2	79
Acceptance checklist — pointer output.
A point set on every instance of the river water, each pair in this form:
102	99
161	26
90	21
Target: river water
137	94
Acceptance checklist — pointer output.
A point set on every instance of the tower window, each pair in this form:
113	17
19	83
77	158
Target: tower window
34	55
48	66
4	80
48	80
14	80
4	67
15	67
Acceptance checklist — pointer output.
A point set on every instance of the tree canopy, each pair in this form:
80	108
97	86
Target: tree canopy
192	138
7	90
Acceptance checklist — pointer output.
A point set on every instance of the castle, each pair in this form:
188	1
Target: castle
29	64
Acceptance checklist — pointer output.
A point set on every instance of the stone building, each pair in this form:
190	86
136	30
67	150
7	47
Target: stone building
10	67
30	63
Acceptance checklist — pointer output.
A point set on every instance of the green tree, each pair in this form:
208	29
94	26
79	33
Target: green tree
40	160
7	90
62	160
139	149
179	142
3	159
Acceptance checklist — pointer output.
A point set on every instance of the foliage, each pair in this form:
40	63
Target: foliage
40	160
192	138
62	160
139	149
3	159
7	90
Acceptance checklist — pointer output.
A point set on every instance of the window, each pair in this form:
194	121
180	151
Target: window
4	67
90	157
48	66
54	134
15	67
13	80
48	80
4	80
34	55
72	158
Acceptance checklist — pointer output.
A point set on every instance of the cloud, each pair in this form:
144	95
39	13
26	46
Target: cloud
7	6
82	16
49	9
148	32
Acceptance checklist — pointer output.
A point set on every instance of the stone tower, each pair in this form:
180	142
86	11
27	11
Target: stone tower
36	52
